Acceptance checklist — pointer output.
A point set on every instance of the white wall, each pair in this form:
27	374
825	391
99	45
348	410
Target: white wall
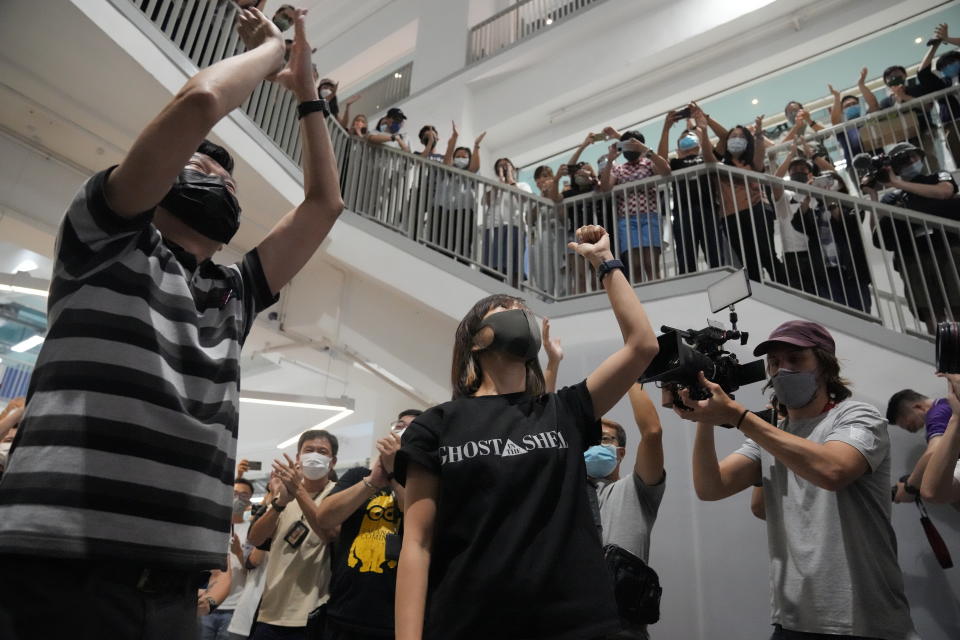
712	556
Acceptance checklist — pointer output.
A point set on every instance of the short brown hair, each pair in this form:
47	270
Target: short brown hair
621	432
466	375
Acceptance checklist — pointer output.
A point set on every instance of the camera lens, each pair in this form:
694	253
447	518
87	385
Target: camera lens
948	347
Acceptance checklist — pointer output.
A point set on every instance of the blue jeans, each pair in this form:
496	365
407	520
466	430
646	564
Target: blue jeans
214	626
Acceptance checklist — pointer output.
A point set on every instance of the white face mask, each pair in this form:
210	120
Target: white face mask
325	93
461	163
314	465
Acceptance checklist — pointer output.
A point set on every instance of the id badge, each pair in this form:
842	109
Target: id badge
296	534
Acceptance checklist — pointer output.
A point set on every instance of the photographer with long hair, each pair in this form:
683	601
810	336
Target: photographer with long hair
499	540
825	471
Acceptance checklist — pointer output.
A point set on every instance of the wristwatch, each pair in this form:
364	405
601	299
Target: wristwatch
276	506
212	604
308	107
609	265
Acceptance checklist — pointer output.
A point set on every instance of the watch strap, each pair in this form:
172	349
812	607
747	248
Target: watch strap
310	106
212	603
277	506
609	265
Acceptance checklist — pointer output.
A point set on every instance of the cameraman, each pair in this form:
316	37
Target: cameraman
825	470
912	412
922	252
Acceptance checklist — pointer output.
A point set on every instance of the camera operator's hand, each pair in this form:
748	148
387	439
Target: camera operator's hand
563	171
593	243
719	408
613	152
901	495
379	476
242	467
953	390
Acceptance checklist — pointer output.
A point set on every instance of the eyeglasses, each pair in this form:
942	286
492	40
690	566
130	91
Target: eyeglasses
610	440
398	425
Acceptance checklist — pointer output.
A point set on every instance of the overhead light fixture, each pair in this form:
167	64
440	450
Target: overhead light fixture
918	40
343	406
26	266
27	344
549	21
24	290
398	75
392	377
755	101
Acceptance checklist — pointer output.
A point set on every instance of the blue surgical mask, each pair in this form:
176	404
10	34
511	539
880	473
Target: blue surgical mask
952	70
737	145
601	460
912	170
395	127
686	143
851	112
795	389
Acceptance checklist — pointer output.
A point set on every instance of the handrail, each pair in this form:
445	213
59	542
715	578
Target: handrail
518	22
520	238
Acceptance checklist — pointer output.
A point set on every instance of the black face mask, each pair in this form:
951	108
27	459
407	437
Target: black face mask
631	156
515	332
800	176
205	204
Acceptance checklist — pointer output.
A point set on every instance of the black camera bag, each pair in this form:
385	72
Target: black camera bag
635	584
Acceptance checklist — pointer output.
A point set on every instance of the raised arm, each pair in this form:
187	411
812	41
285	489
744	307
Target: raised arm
554	356
423	490
451	145
294	240
785	165
664	147
575	158
939	483
759	148
872	103
942	33
344	118
705	147
836	112
649	463
928	57
614	377
474	165
607	179
166	144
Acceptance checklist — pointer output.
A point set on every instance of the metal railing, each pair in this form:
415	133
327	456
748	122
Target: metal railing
519	22
883	263
929	122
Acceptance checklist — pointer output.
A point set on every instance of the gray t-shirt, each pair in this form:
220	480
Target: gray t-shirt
628	509
833	554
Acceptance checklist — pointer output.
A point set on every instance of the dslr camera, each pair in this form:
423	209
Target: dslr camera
874	171
684	354
948	347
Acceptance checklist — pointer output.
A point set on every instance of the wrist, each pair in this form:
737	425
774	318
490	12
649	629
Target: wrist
598	258
306	94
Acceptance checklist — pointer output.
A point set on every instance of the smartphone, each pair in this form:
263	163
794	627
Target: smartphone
685	112
599	137
254	465
824	181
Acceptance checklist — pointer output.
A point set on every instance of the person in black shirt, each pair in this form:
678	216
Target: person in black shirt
694	215
499	540
583	181
927	255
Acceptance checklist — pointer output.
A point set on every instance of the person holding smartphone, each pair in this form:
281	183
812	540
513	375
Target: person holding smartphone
499	540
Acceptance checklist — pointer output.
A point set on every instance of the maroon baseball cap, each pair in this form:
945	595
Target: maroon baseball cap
799	333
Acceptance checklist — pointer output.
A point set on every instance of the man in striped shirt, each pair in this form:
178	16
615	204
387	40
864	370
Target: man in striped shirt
118	493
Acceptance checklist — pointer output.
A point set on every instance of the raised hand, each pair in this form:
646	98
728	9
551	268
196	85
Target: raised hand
242	467
613	152
551	345
256	29
564	170
719	408
476	143
593	243
349	101
863	76
455	133
289	474
953	390
758	125
833	92
297	75
388	447
941	33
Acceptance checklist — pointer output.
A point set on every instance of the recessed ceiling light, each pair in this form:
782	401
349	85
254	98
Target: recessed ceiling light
918	40
755	101
549	21
398	75
26	266
27	344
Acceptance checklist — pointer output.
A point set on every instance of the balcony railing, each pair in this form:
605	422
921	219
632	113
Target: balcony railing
888	265
518	22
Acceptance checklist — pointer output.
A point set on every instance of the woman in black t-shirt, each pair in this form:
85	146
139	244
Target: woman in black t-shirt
499	541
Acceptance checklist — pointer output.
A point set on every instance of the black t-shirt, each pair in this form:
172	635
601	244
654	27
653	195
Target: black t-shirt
363	582
515	550
899	230
692	194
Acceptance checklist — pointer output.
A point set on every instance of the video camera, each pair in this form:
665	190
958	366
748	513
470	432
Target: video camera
948	347
874	171
684	354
